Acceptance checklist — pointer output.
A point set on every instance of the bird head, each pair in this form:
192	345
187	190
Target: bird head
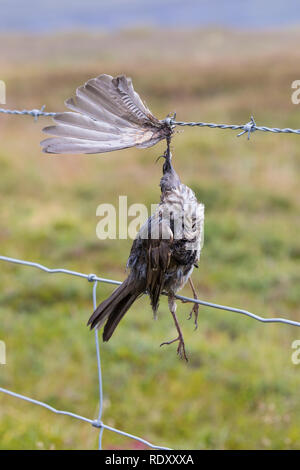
170	179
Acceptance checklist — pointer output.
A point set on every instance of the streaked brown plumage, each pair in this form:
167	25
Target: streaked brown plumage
162	256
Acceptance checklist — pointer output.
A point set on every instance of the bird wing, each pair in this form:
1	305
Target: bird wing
155	239
106	115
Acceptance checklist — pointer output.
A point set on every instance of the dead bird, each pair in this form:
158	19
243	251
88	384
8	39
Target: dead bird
109	115
162	258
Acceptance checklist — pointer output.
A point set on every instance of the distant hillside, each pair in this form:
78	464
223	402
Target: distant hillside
49	15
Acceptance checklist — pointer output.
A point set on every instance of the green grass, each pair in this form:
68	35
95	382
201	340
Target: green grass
240	388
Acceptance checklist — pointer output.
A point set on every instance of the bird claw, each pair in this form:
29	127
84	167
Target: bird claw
169	342
194	311
181	347
181	350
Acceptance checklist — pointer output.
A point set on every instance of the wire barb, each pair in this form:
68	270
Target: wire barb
249	127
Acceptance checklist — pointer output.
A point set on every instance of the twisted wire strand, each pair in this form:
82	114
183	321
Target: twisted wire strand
248	128
36	113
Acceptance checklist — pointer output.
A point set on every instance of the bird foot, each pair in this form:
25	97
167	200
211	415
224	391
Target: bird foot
181	346
195	312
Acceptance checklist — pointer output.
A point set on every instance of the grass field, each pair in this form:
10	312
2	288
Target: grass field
240	389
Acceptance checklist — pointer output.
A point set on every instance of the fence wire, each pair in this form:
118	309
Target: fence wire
247	128
36	113
98	423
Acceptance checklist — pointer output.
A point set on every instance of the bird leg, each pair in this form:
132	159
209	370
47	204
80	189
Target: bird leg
181	346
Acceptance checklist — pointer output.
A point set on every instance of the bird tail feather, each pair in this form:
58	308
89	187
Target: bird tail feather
114	308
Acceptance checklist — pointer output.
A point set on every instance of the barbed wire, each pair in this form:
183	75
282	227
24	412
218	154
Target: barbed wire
36	113
98	423
247	128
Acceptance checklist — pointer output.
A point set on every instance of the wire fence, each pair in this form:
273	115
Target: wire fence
98	423
247	128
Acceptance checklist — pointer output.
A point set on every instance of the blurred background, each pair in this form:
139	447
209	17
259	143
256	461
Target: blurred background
209	61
